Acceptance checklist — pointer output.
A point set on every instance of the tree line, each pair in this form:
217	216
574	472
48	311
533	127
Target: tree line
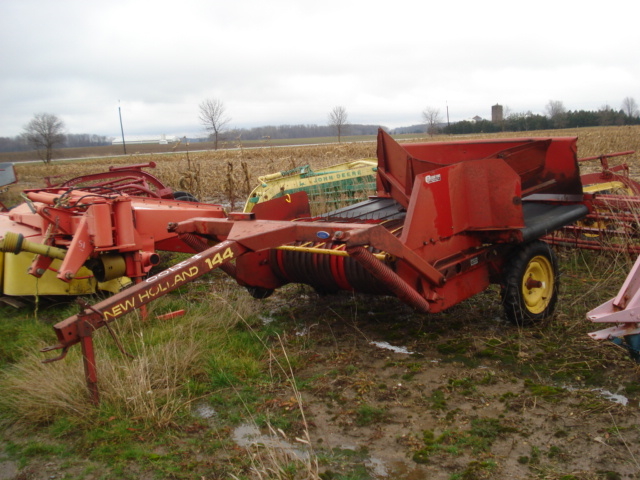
519	122
556	116
20	143
298	131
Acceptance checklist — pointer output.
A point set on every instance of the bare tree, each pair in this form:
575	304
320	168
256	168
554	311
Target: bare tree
556	113
630	107
554	108
606	115
338	120
431	117
212	116
43	133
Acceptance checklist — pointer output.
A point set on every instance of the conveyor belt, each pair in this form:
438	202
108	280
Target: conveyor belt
378	209
541	219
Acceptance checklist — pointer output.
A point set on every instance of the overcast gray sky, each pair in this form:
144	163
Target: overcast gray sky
276	62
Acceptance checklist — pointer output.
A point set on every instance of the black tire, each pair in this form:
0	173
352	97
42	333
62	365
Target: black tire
260	292
184	197
324	291
534	263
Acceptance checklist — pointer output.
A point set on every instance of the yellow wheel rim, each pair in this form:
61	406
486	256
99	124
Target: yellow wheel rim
538	284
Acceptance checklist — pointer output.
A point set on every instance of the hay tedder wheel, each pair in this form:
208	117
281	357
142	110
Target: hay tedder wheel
530	289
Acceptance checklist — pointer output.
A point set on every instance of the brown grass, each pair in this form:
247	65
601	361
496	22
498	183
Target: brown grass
212	167
37	394
149	387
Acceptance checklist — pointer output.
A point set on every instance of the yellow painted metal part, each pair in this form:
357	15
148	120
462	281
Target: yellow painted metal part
115	285
16	242
326	251
607	188
17	282
539	269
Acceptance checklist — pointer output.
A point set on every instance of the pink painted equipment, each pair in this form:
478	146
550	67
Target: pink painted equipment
624	311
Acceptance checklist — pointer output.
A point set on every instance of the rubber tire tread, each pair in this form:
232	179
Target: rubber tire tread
184	197
515	309
259	292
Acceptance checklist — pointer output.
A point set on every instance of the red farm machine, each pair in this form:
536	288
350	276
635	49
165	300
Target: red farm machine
94	232
448	219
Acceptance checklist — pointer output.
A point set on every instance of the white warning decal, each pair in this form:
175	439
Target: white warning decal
432	178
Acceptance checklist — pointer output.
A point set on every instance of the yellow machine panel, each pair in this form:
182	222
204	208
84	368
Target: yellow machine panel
16	280
611	188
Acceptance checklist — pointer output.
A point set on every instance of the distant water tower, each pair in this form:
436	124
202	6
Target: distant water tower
496	113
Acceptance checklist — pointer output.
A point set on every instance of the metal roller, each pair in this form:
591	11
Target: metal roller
327	266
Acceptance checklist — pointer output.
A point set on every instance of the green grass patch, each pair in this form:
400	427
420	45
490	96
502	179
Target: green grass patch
23	452
478	438
20	330
476	470
548	392
345	464
437	400
368	415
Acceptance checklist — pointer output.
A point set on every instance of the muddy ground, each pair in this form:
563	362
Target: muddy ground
464	394
390	394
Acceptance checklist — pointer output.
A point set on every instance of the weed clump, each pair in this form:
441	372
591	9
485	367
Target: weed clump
437	400
368	415
477	439
455	346
548	392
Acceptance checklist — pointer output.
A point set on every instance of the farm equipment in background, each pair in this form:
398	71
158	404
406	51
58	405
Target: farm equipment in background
7	177
617	216
614	223
340	184
448	220
93	232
